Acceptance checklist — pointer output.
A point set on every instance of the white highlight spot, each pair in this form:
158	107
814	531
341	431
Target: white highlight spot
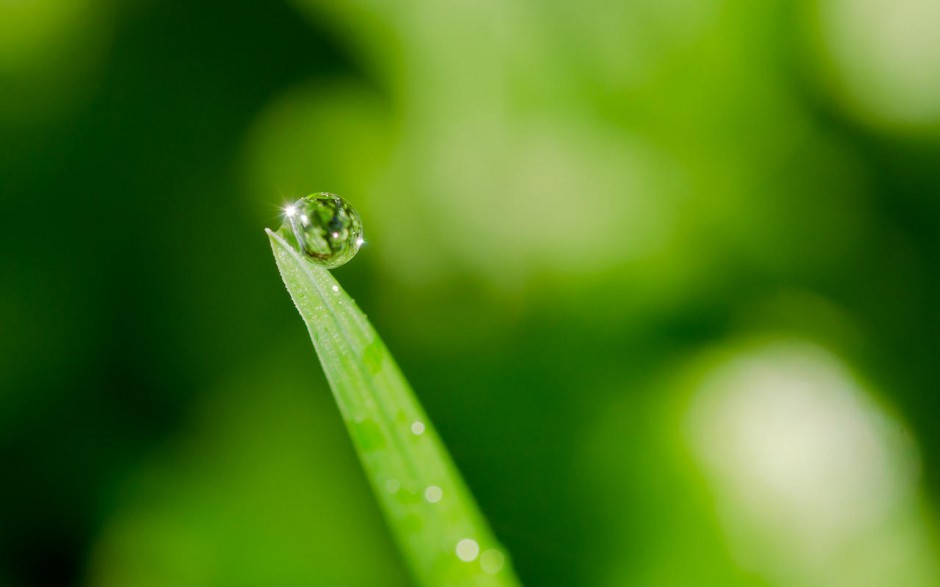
491	561
433	494
806	465
360	241
417	428
467	550
304	219
290	210
886	55
336	288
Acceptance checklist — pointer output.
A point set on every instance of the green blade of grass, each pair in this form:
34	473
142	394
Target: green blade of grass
436	523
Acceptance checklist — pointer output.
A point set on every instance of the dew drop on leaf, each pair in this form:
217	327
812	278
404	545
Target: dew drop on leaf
433	494
368	435
467	550
492	561
327	229
372	356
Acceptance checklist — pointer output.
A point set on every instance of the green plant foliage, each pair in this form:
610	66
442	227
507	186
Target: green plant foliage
439	528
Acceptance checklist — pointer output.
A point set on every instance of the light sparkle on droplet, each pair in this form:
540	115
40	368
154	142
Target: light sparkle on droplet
433	494
492	561
467	550
336	288
290	211
417	428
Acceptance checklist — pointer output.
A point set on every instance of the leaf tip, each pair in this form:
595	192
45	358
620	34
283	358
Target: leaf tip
276	237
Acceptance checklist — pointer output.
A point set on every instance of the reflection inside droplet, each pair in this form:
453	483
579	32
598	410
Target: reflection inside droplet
492	560
417	428
433	494
467	550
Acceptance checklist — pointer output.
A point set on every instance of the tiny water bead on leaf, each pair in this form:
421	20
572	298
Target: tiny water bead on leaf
328	230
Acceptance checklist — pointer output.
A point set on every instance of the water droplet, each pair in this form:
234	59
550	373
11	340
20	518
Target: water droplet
491	561
368	435
326	227
433	494
417	428
372	356
467	550
335	289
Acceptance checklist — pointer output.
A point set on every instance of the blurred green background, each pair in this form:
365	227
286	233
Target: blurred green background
665	274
